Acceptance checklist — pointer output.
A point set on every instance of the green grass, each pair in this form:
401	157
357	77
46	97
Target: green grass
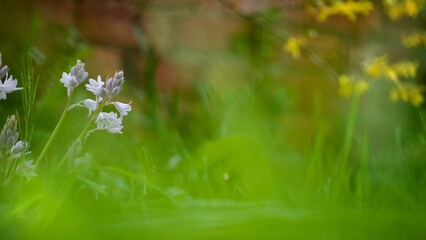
241	182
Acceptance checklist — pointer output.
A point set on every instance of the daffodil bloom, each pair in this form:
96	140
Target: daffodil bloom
109	121
123	108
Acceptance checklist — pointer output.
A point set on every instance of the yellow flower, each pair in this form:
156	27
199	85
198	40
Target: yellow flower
293	46
414	40
349	9
361	86
397	9
391	74
409	94
406	69
412	8
395	12
346	86
377	66
416	97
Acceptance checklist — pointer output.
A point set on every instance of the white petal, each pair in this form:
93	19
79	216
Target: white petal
109	121
123	108
91	105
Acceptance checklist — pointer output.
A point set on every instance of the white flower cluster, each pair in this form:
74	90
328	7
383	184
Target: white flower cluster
104	93
9	84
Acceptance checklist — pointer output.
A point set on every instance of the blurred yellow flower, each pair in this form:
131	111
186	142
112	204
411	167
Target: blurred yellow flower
294	45
380	67
377	66
350	9
397	9
414	39
417	98
406	69
347	86
412	8
361	86
406	93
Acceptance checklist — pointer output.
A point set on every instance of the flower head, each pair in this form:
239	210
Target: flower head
113	85
76	76
8	136
78	72
109	121
9	84
95	86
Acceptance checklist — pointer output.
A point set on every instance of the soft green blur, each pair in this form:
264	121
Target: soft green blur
272	154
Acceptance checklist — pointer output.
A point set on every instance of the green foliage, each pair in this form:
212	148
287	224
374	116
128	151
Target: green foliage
271	156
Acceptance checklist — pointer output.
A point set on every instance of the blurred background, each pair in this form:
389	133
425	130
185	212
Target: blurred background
220	110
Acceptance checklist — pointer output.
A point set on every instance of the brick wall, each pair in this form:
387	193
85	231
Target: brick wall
190	37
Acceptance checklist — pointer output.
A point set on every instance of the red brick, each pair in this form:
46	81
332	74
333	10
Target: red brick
59	12
201	31
107	23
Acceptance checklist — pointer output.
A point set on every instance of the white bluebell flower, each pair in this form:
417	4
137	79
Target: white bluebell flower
76	76
3	70
79	72
69	82
110	122
90	104
9	84
95	86
113	85
8	136
123	108
19	149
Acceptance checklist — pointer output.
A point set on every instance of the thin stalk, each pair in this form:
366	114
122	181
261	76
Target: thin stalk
342	172
55	131
83	132
350	130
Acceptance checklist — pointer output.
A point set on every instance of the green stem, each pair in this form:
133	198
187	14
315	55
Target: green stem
55	131
342	168
350	129
83	132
